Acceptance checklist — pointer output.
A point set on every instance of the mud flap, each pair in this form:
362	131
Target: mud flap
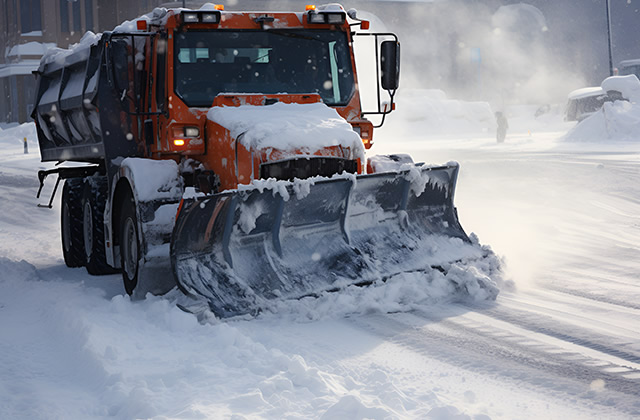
239	249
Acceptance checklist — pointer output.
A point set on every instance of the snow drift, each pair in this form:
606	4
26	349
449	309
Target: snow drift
435	114
617	121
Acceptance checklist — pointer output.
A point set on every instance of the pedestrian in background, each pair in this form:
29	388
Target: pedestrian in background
503	124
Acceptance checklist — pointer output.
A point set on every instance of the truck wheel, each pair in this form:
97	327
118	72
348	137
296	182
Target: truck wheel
71	222
129	244
93	204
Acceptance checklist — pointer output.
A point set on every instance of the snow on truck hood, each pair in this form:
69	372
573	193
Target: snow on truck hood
281	126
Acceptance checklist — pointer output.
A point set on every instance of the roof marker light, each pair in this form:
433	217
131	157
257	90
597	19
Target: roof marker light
335	18
316	18
210	17
310	7
332	18
219	7
201	17
189	17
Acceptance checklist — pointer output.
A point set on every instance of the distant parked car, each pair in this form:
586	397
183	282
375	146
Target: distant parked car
629	67
584	102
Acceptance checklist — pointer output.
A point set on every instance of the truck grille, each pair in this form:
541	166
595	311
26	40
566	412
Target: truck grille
307	167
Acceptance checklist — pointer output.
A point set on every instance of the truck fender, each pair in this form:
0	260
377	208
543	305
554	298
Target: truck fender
154	185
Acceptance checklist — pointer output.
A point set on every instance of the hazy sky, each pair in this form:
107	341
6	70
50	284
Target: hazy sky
471	50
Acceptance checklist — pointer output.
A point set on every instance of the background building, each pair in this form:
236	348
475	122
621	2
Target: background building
29	27
533	51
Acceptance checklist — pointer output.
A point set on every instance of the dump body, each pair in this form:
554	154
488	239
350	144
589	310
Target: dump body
73	89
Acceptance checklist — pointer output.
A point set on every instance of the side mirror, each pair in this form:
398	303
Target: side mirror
390	64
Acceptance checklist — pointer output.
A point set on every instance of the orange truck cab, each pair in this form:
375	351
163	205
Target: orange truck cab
302	62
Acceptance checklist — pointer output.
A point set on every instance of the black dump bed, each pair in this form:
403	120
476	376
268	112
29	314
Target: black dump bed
80	113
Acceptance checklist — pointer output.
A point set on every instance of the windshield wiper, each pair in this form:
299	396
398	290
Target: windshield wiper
293	35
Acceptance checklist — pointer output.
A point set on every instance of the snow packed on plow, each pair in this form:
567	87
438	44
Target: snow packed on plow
278	240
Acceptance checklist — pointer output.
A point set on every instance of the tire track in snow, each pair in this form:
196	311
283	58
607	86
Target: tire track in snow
593	297
566	332
18	181
628	364
508	356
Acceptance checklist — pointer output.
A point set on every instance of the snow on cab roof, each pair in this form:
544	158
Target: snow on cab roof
160	15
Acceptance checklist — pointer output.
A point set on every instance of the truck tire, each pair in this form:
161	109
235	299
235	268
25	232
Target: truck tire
94	199
71	222
129	244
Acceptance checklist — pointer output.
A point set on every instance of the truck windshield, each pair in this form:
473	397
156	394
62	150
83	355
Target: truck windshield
281	61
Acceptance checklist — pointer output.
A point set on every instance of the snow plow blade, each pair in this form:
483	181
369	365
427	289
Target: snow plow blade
288	240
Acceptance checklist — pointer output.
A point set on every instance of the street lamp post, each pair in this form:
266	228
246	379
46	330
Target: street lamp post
609	37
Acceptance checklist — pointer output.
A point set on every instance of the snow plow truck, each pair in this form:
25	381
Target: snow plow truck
224	152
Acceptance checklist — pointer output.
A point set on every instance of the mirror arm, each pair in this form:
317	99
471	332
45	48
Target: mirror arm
391	93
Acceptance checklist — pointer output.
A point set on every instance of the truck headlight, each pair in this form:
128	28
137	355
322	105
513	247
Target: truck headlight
191	132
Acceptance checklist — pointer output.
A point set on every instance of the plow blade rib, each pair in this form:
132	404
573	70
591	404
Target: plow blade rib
240	249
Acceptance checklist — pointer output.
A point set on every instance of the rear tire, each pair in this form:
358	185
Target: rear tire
71	222
94	201
129	244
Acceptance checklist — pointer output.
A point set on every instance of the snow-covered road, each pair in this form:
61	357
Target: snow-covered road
564	342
